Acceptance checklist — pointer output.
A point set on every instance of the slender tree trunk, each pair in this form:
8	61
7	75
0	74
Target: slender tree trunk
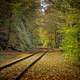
9	31
8	36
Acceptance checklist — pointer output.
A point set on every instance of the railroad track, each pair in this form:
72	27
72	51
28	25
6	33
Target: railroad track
26	69
16	61
20	72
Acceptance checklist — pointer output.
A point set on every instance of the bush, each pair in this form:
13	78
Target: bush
70	42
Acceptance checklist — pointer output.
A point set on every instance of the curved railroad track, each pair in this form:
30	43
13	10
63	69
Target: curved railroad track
26	69
16	61
25	64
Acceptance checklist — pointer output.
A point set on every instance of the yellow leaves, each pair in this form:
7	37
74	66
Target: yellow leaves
72	17
44	36
43	33
40	21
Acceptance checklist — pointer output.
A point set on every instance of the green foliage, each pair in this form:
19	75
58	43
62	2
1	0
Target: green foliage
69	42
70	29
25	21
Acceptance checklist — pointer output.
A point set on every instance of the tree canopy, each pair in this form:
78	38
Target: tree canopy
41	23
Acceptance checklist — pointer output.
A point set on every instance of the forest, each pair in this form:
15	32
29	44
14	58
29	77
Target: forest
28	25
